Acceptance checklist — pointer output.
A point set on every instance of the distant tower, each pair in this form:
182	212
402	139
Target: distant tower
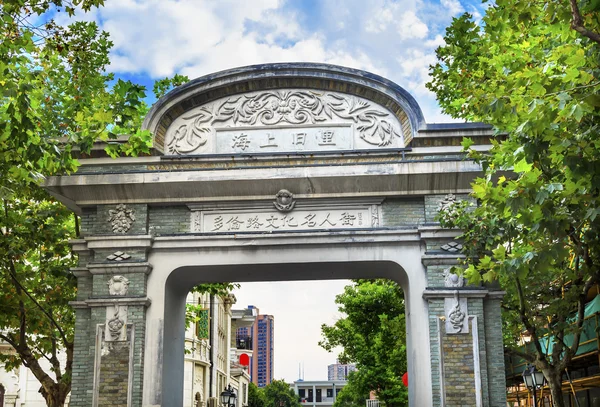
339	371
260	337
262	350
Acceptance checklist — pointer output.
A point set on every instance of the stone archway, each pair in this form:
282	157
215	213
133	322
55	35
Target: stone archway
268	173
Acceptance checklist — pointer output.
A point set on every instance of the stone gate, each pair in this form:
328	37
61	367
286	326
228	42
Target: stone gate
272	173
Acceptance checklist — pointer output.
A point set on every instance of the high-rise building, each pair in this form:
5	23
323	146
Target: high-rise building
339	371
261	336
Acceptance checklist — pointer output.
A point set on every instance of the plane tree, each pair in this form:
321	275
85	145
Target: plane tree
372	334
531	70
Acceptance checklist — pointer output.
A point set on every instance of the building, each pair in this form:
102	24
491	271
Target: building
318	393
262	350
212	358
340	371
581	380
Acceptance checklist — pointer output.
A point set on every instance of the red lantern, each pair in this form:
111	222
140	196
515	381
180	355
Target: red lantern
244	359
405	379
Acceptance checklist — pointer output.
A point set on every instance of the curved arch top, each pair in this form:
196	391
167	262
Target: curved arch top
377	107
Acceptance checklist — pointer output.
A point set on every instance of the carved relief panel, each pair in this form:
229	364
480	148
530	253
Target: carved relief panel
284	120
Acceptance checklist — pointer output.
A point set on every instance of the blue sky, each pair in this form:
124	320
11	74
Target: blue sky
396	39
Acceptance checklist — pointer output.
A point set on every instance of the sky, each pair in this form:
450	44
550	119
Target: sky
154	39
299	309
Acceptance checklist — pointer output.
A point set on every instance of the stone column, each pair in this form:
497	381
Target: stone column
110	307
467	360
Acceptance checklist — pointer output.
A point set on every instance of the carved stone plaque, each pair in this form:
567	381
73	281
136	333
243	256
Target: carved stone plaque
270	220
287	120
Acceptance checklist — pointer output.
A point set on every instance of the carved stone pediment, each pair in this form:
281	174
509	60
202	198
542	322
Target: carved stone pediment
284	120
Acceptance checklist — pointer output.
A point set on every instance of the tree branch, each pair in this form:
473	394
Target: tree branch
577	23
12	272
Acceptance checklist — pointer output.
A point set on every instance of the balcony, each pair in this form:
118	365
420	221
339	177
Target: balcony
244	342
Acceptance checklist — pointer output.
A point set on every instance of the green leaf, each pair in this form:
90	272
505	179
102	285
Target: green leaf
522	166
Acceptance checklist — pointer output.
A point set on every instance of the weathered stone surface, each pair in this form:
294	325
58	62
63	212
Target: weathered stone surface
144	219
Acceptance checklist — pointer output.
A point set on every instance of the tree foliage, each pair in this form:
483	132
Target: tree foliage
256	397
278	394
56	102
373	336
531	70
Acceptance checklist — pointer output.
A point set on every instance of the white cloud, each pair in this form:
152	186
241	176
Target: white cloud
410	26
394	39
381	18
438	41
453	6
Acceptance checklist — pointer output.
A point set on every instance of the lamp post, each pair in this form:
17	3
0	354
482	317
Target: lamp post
534	380
228	397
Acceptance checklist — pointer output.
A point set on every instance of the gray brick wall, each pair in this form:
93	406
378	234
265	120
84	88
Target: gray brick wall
166	220
495	352
403	212
82	370
436	310
435	276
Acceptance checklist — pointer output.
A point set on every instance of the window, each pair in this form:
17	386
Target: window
302	393
329	392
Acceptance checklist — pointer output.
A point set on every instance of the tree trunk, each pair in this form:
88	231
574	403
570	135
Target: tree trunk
555	384
56	398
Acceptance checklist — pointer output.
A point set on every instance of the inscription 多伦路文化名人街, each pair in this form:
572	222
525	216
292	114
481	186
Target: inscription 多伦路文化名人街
299	220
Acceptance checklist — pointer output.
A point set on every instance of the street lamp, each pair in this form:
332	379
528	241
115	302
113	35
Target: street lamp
228	397
534	380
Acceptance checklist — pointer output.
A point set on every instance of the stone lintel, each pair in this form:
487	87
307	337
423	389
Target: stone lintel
449	259
496	295
271	239
119	242
80	271
119	268
431	293
80	246
107	302
438	232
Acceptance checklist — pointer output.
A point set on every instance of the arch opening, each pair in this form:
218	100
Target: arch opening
182	279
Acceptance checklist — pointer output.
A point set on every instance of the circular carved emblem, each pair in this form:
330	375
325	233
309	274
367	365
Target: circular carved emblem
118	285
284	201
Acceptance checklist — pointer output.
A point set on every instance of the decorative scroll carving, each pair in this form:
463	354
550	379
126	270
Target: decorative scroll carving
452	247
118	285
284	201
452	280
115	325
121	218
374	125
457	317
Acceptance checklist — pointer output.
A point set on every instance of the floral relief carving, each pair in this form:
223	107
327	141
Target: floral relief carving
292	107
118	285
121	218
